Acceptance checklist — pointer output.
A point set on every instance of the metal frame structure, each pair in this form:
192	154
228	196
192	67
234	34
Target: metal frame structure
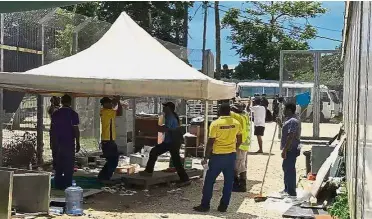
317	71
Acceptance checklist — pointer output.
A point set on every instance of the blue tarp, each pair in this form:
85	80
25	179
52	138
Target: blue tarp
303	100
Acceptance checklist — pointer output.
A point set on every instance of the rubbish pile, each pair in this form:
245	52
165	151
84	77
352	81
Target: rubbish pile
119	189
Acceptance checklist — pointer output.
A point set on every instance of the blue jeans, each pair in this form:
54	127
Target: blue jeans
289	169
224	163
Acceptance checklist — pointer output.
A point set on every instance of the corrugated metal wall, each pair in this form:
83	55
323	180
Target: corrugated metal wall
358	108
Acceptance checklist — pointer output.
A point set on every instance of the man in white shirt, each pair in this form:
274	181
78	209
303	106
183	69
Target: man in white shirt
259	116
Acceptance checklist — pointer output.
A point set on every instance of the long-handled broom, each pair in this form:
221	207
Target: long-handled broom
261	198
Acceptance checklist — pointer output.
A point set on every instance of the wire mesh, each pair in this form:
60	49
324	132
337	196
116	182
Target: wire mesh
33	38
299	73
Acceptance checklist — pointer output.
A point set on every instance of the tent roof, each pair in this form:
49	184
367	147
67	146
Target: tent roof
126	61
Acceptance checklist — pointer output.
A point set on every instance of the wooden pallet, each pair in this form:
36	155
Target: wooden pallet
159	177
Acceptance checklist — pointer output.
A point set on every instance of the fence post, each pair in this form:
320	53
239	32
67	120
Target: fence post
40	99
281	76
40	111
316	103
1	90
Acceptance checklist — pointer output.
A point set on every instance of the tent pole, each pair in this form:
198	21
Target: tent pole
134	122
205	125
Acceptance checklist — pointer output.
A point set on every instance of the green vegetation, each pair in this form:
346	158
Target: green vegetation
259	33
340	208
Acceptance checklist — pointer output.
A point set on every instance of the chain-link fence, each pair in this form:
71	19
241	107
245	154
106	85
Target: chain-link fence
300	71
29	40
34	38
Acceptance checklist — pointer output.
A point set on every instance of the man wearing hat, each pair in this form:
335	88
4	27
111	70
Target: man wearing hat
171	143
108	136
240	179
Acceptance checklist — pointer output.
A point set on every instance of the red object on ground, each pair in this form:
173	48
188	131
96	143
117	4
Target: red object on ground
311	177
75	169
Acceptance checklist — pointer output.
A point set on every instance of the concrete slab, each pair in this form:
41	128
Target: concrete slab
6	188
32	192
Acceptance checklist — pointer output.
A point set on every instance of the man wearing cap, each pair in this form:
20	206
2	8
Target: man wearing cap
240	179
225	136
108	136
66	140
171	143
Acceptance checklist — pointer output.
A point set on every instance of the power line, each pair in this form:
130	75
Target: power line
282	27
196	11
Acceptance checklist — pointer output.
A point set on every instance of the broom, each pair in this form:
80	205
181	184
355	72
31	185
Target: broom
261	198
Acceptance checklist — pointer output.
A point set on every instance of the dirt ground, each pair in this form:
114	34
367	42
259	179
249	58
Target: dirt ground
159	203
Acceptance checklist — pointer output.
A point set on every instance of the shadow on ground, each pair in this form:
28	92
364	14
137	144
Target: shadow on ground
256	154
159	200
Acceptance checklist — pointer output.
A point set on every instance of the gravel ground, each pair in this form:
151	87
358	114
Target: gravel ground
158	203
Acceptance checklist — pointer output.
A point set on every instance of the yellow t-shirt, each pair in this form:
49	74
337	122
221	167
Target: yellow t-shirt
224	130
244	122
108	124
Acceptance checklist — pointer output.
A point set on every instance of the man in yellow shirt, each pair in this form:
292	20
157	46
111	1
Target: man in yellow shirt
108	135
240	179
225	136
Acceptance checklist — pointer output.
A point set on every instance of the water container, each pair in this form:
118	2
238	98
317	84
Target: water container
188	163
74	200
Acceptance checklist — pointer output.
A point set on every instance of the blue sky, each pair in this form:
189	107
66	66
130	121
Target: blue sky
330	25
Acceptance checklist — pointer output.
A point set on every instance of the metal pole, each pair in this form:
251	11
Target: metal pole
316	102
134	121
205	125
40	110
281	76
1	90
74	51
156	105
97	120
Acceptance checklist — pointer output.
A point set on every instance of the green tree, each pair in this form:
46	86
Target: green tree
258	34
331	73
164	20
226	73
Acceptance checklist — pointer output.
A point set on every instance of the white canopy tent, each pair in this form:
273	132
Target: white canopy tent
126	61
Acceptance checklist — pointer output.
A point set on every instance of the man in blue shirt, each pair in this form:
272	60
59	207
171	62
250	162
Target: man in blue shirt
290	146
172	143
66	137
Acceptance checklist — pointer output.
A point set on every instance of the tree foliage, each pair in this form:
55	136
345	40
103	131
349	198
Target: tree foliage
262	30
226	73
163	20
331	69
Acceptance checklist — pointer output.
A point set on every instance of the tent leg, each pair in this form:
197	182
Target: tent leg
133	102
205	125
